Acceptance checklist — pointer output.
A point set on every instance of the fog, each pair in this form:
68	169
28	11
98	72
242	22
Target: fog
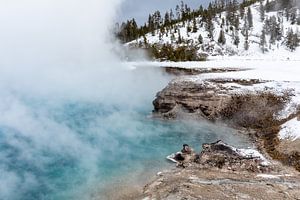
57	74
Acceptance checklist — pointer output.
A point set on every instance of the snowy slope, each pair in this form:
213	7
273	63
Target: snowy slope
290	130
213	48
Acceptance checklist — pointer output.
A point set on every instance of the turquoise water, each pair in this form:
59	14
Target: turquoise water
109	143
65	148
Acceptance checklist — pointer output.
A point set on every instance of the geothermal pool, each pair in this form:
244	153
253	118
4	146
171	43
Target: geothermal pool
63	148
73	117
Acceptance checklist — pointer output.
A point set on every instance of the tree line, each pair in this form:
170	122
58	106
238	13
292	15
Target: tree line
129	30
238	19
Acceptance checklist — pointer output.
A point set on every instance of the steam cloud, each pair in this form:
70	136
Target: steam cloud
56	61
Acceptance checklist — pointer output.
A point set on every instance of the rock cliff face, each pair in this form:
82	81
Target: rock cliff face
202	99
217	99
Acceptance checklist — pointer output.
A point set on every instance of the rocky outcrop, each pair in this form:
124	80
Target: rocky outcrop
221	155
217	99
203	99
221	171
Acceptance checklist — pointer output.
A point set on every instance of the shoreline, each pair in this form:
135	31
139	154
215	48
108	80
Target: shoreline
131	185
265	136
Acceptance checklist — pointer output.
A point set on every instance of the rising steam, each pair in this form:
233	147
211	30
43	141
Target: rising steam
61	90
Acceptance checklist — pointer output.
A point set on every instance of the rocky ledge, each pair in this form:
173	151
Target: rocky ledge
247	104
221	171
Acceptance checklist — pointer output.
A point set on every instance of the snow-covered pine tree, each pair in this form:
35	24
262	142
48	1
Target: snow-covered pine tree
246	43
250	17
236	39
263	42
261	11
222	39
292	40
200	39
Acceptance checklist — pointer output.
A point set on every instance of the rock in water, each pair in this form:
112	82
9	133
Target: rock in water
221	155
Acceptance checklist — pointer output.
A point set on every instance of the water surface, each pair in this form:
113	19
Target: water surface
66	148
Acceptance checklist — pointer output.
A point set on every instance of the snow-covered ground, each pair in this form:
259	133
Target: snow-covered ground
254	154
273	176
290	130
281	76
276	50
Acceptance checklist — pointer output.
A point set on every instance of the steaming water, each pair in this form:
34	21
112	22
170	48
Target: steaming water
73	118
62	149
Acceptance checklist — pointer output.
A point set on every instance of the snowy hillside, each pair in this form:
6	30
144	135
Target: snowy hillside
270	36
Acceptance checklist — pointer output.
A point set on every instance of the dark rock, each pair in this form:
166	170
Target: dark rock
220	154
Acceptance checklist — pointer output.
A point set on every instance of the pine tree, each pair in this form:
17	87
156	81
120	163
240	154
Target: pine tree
246	44
236	39
179	41
222	39
268	6
159	36
200	39
292	40
171	15
274	29
172	37
167	20
237	22
250	17
145	41
195	28
285	4
177	10
293	17
262	43
262	11
242	11
210	28
245	26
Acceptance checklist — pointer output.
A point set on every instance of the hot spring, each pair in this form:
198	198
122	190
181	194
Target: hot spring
73	117
66	148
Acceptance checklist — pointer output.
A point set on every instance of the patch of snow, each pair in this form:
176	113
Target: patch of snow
268	176
272	176
159	173
172	157
252	153
290	130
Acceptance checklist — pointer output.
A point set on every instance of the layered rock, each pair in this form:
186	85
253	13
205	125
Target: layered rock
221	155
209	99
222	171
203	99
